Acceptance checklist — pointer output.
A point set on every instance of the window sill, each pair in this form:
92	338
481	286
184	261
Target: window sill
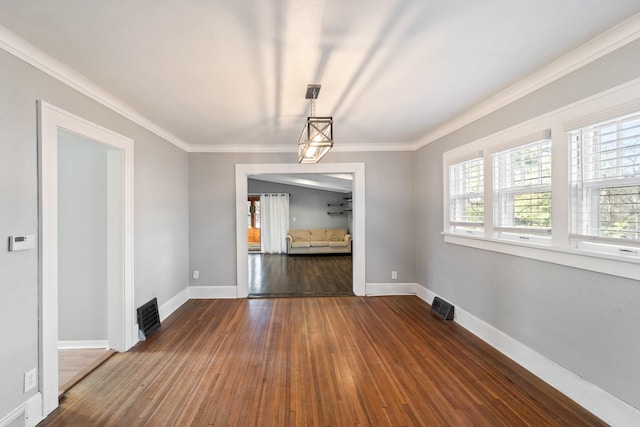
621	266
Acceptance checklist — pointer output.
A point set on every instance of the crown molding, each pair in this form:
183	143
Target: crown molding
609	41
385	146
242	148
293	148
614	38
21	49
30	54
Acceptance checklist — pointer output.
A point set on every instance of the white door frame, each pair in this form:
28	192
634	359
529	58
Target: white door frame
244	171
51	119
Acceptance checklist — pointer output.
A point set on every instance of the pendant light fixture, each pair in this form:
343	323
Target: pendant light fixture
317	136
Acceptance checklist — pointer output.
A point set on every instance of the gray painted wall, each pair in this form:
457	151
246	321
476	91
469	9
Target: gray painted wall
584	321
390	213
307	207
82	239
184	219
160	203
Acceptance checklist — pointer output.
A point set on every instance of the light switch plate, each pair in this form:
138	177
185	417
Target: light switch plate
30	379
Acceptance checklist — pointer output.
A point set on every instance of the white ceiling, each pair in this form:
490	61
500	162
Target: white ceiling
232	74
340	183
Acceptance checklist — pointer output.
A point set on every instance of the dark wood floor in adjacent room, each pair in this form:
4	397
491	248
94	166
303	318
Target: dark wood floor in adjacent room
275	275
335	361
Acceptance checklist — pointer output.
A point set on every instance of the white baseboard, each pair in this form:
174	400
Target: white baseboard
209	292
379	289
425	294
166	309
72	345
602	404
191	292
28	414
34	410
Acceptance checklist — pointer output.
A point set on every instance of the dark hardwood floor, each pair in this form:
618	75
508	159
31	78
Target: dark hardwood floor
272	275
383	361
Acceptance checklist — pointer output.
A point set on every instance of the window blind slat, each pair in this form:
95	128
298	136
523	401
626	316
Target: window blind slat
605	180
522	187
466	195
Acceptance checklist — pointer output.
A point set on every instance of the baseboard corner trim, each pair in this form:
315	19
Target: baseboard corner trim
604	405
173	304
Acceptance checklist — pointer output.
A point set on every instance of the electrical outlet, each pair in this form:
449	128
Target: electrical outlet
196	274
394	274
30	379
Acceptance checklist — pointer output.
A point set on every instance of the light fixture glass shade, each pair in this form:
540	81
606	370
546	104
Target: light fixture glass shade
316	139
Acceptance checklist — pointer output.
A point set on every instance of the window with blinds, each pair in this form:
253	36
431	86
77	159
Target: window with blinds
605	183
522	189
466	196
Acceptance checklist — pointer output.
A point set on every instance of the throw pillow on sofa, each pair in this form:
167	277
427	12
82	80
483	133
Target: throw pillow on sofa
336	235
300	235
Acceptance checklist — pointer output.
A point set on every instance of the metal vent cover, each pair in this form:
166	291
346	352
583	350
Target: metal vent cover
148	318
442	308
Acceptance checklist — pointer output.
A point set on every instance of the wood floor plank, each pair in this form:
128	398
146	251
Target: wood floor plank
75	364
277	275
334	361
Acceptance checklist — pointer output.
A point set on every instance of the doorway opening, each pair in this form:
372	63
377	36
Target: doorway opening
89	251
357	215
313	210
96	246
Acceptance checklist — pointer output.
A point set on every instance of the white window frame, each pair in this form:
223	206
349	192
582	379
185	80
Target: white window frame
523	234
467	227
584	181
618	101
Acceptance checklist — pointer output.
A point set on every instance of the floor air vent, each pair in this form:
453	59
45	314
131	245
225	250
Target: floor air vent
148	318
442	308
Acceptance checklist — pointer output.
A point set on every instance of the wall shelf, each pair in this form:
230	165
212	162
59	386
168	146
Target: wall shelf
345	204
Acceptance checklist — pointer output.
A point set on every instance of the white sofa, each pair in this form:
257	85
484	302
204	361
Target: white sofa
319	241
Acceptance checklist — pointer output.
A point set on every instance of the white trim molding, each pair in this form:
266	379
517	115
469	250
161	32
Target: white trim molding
120	293
74	345
244	171
343	147
20	48
29	414
619	100
381	289
602	404
30	54
615	265
213	292
615	38
599	402
174	303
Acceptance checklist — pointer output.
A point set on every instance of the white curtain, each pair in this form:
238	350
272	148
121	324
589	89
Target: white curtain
274	222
